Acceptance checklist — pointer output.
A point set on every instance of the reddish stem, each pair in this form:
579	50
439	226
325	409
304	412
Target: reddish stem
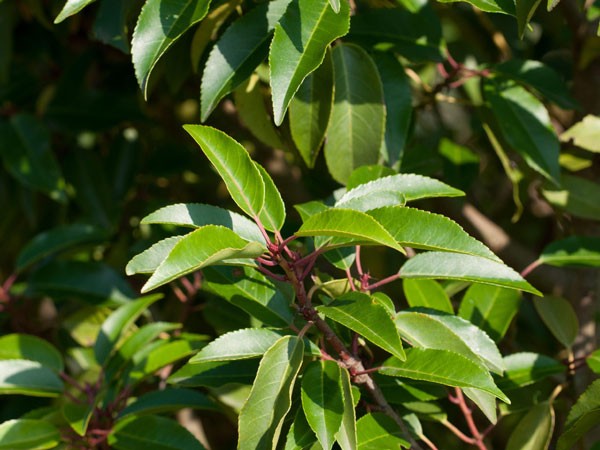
477	436
527	270
383	282
358	262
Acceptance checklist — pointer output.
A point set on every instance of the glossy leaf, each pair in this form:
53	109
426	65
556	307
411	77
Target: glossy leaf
534	431
560	318
159	25
576	196
205	246
377	431
19	376
272	214
169	399
583	416
196	215
426	293
456	266
243	180
262	416
310	110
323	400
443	367
367	317
573	251
32	348
241	48
301	39
585	134
429	231
357	123
151	432
216	374
28	434
523	369
149	260
70	8
346	436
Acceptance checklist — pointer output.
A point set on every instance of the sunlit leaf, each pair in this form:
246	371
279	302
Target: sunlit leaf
28	434
169	399
526	368
573	251
377	431
19	376
585	134
426	293
534	431
32	348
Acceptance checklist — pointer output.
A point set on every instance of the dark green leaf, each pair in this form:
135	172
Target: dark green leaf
534	431
169	399
573	251
159	357
216	374
28	434
300	435
78	415
525	10
485	401
426	293
493	6
346	436
32	348
377	431
584	415
576	196
111	24
523	369
272	214
19	376
560	318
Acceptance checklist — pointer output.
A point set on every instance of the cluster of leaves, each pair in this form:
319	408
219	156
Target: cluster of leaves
281	324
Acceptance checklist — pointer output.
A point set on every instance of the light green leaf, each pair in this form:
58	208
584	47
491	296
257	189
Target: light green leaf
300	435
534	431
323	400
169	399
84	324
310	110
272	214
19	376
573	251
262	416
241	48
585	134
490	308
70	8
593	361
243	180
159	25
301	38
523	369
196	215
32	348
357	121
485	401
366	316
525	125
377	431
159	357
216	374
525	10
443	367
584	415
205	246
118	323
576	196
346	436
560	318
455	266
151	432
426	293
364	174
28	434
149	260
435	329
78	415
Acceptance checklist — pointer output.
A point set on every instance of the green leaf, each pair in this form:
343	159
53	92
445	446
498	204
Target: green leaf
28	434
272	214
364	174
350	224
593	361
525	10
357	121
525	125
585	134
490	308
534	431
149	260
323	400
560	318
398	105
455	266
573	251
32	348
366	316
169	399
492	6
151	432
584	415
435	329
78	415
19	376
523	369
207	245
310	110
159	357
197	215
262	416
426	293
216	374
241	176
443	367
377	431
485	401
84	324
70	8
300	435
241	48
117	323
159	25
111	23
576	196
301	39
346	436
429	231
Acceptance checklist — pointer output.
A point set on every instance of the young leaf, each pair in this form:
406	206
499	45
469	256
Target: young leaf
585	134
534	431
490	308
299	44
323	400
243	180
71	7
272	214
584	415
32	348
576	196
523	369
573	251
159	25
357	123
19	376
310	110
262	416
560	318
443	367
367	317
346	436
377	431
28	434
149	260
169	399
216	374
205	246
241	48
426	293
455	266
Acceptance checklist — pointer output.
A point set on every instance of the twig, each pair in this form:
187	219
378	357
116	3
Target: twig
527	270
385	281
468	414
